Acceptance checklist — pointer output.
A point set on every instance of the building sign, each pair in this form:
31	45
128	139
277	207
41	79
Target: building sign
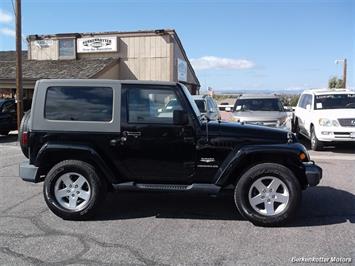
182	70
43	43
97	44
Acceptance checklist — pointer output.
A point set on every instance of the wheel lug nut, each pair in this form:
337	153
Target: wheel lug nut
70	185
72	195
262	197
77	192
76	186
264	190
68	191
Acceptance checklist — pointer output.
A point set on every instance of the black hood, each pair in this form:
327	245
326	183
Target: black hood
249	133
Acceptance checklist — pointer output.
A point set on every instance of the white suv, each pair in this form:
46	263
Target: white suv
325	116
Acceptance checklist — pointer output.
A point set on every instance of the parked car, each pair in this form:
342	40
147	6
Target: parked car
207	106
8	115
86	137
264	110
325	116
225	106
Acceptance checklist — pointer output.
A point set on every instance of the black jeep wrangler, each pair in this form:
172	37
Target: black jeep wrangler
87	137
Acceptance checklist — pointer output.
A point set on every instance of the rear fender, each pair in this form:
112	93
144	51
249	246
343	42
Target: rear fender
72	151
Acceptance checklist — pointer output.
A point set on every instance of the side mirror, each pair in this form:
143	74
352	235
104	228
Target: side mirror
180	117
308	107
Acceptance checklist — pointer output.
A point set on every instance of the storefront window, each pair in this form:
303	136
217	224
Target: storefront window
66	49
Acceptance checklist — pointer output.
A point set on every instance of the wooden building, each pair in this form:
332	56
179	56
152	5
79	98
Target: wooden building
138	55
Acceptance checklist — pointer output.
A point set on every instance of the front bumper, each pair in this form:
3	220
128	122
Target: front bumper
28	172
335	134
313	173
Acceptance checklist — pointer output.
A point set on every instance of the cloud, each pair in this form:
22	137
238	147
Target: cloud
5	17
8	32
213	62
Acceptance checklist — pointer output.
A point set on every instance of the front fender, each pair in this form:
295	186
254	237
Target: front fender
69	149
242	157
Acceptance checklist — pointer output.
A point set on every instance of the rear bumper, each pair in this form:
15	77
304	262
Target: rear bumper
28	172
313	173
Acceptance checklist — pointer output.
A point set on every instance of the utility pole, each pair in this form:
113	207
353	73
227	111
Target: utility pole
19	88
344	72
344	61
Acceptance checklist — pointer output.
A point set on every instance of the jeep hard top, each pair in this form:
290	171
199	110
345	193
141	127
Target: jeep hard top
86	137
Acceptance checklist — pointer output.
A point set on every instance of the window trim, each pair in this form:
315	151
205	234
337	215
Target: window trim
39	123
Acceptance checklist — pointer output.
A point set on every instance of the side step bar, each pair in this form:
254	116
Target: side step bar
203	188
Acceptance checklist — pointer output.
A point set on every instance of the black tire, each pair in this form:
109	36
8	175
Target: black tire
316	145
296	129
241	194
24	128
4	133
98	189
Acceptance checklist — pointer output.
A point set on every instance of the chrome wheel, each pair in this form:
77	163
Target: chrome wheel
269	196
72	191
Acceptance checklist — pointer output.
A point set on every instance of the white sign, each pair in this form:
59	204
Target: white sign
43	43
182	70
97	44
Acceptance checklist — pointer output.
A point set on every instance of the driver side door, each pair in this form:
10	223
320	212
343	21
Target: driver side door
156	149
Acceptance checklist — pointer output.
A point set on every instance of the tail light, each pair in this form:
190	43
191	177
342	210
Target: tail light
24	138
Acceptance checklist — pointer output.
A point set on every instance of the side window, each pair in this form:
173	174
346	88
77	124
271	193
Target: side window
150	105
9	107
307	100
79	103
301	100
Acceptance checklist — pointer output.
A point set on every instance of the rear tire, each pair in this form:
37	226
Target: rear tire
264	203
73	190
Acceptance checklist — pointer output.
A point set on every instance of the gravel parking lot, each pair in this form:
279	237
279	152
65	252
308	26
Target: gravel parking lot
172	229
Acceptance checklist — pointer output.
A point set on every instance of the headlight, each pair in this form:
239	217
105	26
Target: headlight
326	122
281	122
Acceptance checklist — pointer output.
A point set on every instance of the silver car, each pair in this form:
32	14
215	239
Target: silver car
264	110
207	106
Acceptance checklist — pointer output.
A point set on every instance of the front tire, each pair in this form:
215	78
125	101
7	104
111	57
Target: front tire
316	145
73	190
268	194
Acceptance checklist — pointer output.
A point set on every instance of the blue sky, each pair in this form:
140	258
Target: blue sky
232	44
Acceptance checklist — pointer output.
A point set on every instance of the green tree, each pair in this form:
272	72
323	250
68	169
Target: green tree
335	83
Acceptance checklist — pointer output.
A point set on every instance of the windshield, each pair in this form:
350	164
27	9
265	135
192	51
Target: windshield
258	105
334	101
191	100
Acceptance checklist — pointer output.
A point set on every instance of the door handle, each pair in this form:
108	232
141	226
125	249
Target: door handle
134	134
